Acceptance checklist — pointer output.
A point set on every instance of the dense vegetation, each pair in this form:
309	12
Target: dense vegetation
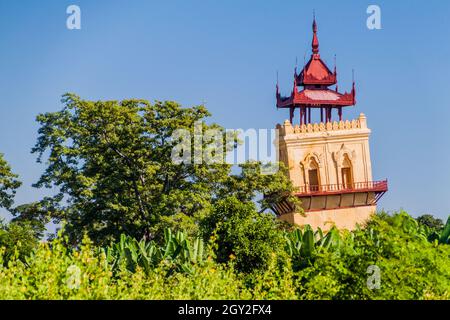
309	266
135	225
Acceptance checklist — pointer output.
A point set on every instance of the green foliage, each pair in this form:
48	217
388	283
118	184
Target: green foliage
34	214
431	222
441	236
112	164
411	267
54	272
337	267
112	161
18	239
243	234
303	245
251	182
435	229
8	184
129	254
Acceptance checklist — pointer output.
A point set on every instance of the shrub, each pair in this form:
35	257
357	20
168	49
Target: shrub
244	235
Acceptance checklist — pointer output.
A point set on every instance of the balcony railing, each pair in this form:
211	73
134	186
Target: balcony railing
369	186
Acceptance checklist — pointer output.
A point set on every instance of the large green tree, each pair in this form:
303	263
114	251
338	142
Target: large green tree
111	163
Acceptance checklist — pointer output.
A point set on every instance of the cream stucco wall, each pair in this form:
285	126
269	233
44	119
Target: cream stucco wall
345	218
328	144
331	146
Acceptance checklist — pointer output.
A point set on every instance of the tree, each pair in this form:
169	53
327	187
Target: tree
112	165
243	234
250	183
8	184
34	216
431	222
18	238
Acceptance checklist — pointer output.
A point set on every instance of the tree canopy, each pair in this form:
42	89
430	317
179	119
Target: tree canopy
431	222
9	184
111	162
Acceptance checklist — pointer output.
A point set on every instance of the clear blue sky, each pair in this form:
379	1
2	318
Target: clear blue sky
227	53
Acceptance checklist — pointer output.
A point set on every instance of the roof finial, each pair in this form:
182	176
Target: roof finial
315	42
353	86
335	65
335	73
277	83
278	89
294	91
304	64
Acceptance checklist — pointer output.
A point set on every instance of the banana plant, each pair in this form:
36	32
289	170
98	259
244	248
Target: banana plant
177	249
442	237
445	233
302	245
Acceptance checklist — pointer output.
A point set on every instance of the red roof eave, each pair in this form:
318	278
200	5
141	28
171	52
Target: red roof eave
300	100
311	80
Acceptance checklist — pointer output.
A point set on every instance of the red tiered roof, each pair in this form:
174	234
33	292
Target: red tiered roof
316	71
316	98
316	77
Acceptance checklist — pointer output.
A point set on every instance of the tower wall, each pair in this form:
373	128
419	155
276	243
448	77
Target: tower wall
344	218
323	159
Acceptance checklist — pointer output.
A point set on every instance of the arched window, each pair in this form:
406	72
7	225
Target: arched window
313	175
347	173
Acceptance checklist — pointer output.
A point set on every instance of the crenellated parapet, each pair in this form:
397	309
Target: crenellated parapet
287	128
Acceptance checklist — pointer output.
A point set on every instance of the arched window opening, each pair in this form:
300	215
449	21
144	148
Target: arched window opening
347	174
313	175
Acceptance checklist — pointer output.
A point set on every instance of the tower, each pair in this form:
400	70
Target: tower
328	160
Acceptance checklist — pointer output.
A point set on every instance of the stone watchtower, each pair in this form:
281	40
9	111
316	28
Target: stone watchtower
328	161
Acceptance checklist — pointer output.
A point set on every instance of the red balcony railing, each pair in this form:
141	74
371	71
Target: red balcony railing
369	186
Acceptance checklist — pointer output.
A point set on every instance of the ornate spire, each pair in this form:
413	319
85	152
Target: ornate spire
353	87
335	73
335	65
315	41
278	89
294	90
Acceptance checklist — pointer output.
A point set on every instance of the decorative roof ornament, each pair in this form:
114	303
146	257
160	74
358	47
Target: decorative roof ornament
335	73
278	88
316	78
353	87
316	72
315	41
335	65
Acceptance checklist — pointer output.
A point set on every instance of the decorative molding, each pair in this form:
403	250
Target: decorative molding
329	126
339	156
316	156
287	128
